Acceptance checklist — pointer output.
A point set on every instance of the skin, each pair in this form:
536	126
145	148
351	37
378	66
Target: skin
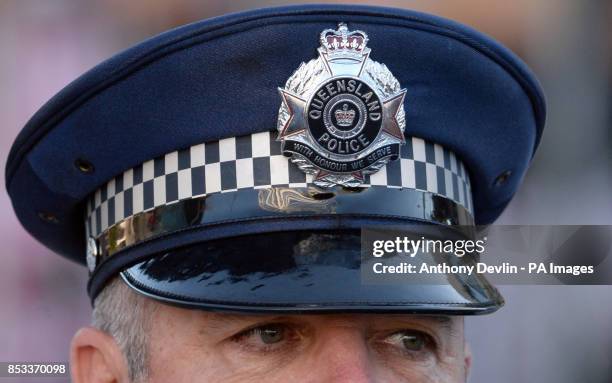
197	346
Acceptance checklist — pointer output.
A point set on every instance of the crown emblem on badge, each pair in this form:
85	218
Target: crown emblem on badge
345	117
342	115
343	42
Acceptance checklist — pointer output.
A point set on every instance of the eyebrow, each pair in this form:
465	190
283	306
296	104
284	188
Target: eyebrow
239	317
444	321
224	318
435	322
438	318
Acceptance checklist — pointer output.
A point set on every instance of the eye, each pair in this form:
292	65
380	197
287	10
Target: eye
266	338
411	342
270	334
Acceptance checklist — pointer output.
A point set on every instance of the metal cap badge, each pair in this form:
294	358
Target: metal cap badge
342	114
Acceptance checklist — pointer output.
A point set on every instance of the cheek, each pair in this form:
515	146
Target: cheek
418	373
445	366
177	353
447	369
208	367
174	361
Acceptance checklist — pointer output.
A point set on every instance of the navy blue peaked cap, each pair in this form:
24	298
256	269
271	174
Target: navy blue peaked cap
219	77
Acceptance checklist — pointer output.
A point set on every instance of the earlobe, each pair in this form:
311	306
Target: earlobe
95	357
467	352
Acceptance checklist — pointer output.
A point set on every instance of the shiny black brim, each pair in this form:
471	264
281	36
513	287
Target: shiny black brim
297	272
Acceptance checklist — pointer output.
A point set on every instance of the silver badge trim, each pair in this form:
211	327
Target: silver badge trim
342	114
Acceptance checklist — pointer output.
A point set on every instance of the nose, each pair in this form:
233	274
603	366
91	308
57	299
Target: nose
342	356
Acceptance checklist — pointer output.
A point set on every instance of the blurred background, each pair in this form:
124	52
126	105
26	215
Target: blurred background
544	334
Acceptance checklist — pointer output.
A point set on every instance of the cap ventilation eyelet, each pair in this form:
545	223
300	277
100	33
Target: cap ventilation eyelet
84	166
48	217
502	178
323	196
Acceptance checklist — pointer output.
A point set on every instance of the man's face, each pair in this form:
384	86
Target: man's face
196	346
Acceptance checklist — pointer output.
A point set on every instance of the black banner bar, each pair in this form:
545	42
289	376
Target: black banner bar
290	147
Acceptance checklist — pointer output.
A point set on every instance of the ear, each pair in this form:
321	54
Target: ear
467	352
95	357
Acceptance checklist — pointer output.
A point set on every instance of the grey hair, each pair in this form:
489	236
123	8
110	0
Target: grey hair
126	316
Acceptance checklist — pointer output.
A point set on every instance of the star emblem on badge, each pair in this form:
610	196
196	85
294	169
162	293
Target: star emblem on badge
341	115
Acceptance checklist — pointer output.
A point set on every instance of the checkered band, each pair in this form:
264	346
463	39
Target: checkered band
255	161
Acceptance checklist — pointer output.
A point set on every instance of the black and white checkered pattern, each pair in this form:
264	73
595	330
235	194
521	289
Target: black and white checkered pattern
256	161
